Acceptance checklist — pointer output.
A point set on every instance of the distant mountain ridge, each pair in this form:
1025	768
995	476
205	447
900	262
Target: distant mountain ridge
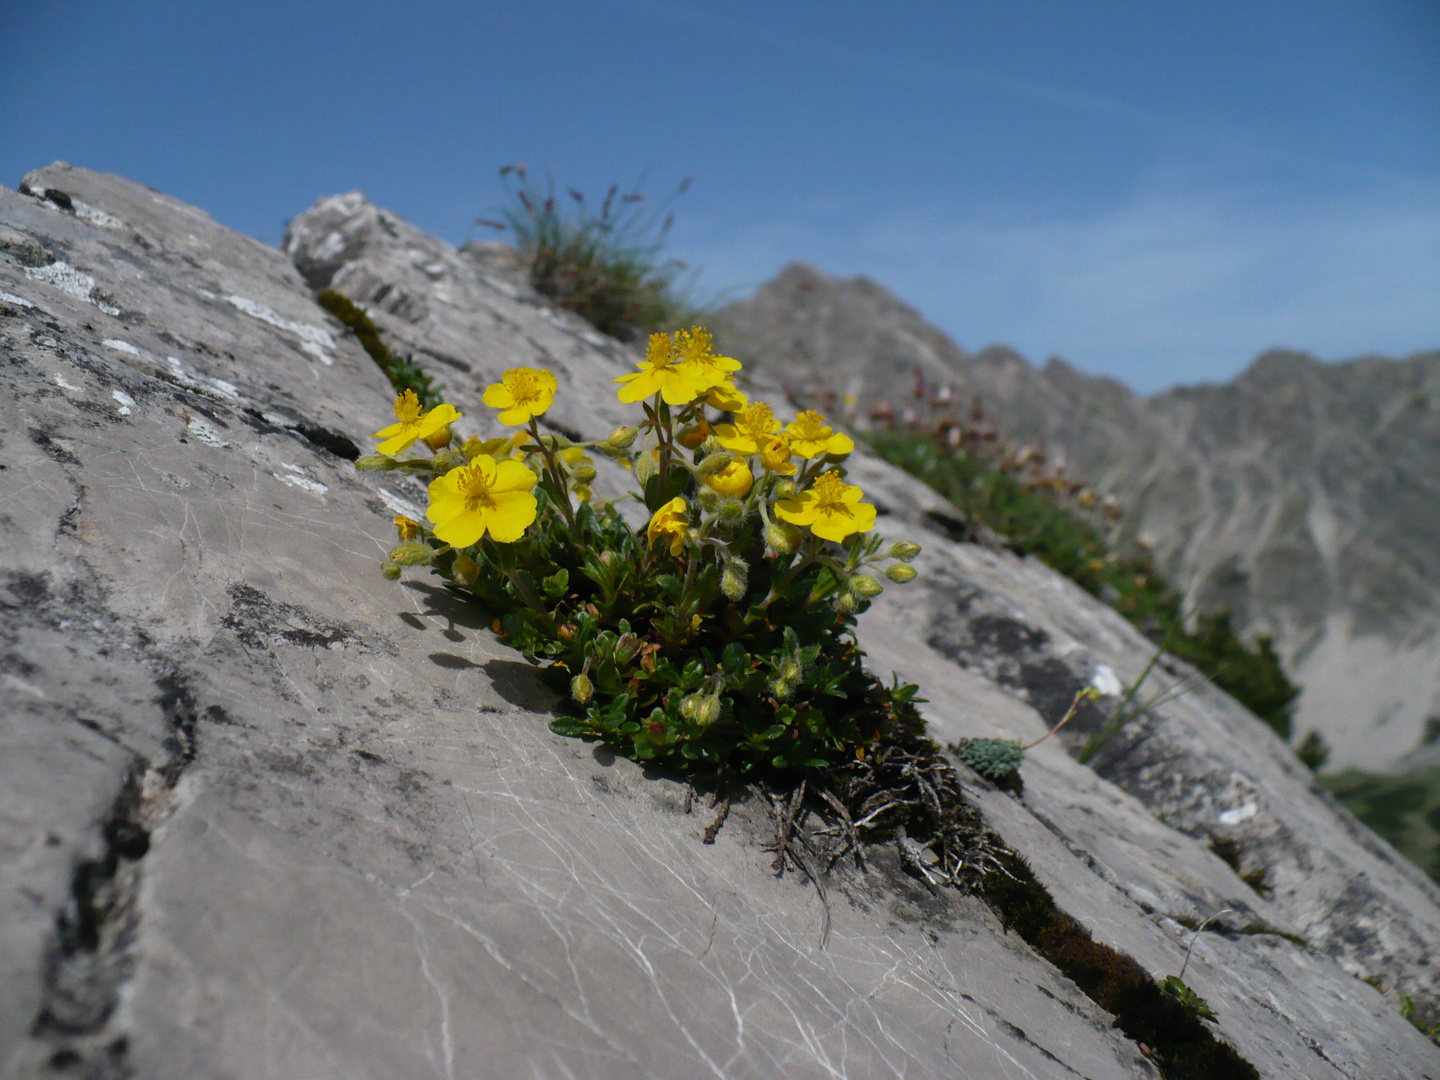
1303	495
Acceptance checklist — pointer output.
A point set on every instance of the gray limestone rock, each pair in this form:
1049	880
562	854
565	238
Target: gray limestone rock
1302	495
266	813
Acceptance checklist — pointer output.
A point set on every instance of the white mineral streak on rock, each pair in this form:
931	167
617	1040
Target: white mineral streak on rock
18	301
178	372
332	245
226	389
124	400
205	431
1238	815
315	350
121	346
315	340
86	212
60	382
401	506
70	281
295	479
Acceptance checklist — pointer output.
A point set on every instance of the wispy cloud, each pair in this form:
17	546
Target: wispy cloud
1171	286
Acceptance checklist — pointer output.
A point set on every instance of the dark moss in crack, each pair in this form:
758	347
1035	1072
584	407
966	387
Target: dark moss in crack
1180	1044
401	371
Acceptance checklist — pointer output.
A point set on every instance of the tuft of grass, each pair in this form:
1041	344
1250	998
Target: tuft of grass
1034	519
401	371
606	263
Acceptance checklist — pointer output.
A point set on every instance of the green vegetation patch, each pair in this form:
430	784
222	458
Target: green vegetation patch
401	371
604	263
1404	808
1033	520
720	635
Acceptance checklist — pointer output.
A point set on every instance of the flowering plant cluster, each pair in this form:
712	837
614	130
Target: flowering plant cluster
719	632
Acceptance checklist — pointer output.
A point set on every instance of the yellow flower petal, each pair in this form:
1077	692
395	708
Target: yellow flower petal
735	480
670	522
484	495
522	392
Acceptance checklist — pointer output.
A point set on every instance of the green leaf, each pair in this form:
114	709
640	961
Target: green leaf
734	658
656	496
570	726
556	584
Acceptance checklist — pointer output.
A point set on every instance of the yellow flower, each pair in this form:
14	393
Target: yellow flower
412	424
475	446
409	527
483	496
775	455
661	372
734	480
726	397
753	425
693	346
522	392
832	508
669	521
811	437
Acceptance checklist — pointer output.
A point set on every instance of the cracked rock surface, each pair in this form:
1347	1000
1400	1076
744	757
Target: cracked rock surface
264	813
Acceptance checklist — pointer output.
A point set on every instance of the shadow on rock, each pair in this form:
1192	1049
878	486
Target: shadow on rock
518	683
456	610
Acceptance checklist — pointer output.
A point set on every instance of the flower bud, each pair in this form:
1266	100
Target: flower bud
782	688
390	570
782	537
711	445
437	439
714	463
444	461
627	648
375	463
689	706
733	579
790	670
411	553
904	550
709	500
900	573
645	468
581	689
622	437
846	602
785	489
866	586
465	569
708	711
731	510
583	473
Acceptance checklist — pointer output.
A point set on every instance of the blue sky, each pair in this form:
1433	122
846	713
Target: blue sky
1152	191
